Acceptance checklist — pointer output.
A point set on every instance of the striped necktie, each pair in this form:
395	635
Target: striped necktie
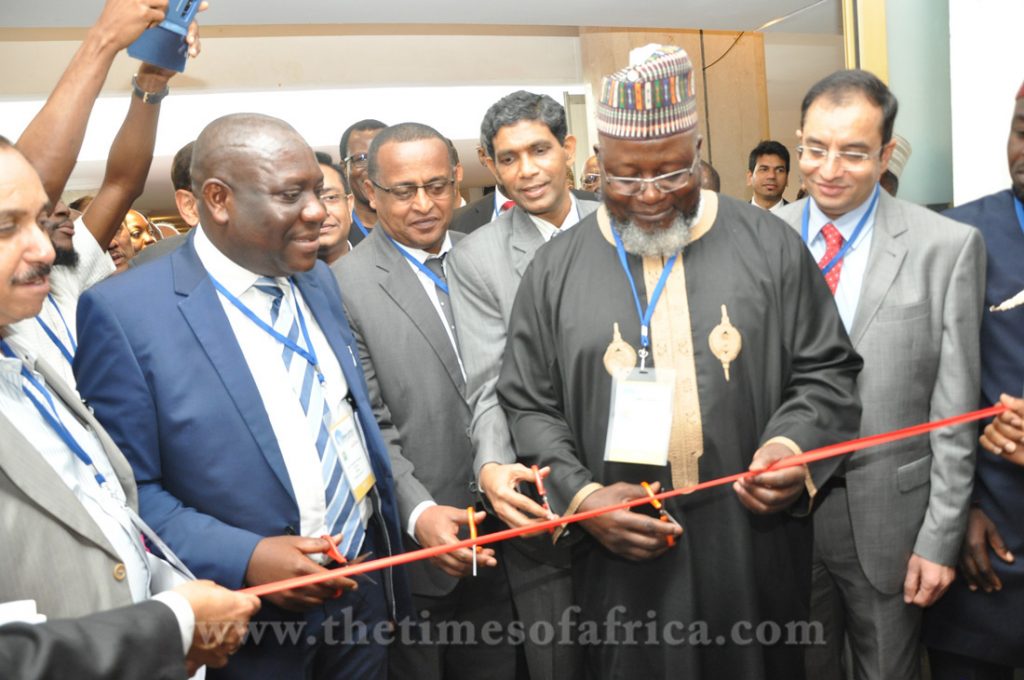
342	510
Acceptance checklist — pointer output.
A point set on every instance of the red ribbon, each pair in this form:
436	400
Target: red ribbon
832	451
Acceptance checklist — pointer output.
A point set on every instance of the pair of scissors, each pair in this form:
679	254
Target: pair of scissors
662	512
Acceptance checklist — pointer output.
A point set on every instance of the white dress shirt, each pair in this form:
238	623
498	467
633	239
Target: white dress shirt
66	285
500	199
105	505
779	205
262	354
547	229
855	261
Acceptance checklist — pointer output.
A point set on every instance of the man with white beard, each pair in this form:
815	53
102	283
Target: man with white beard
623	367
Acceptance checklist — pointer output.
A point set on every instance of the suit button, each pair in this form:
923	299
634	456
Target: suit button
120	573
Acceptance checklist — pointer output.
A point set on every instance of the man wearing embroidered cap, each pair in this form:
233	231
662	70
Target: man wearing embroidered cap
675	336
977	626
908	286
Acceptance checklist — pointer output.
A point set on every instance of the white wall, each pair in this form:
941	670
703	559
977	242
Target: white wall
918	49
986	69
319	84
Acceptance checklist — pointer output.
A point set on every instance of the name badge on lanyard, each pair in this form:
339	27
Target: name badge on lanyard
351	446
640	418
640	415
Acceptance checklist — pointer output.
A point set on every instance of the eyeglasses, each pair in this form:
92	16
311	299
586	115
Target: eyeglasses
666	184
332	199
404	192
358	159
850	159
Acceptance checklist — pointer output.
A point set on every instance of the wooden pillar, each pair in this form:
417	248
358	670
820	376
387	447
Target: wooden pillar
732	98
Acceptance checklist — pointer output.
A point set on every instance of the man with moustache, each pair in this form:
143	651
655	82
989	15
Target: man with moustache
528	147
744	336
66	489
908	284
335	196
975	630
395	287
354	145
254	444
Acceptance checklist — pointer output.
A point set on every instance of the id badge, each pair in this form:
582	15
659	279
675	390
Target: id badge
352	452
640	418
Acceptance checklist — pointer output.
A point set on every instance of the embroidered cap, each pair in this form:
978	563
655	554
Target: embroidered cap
649	99
900	155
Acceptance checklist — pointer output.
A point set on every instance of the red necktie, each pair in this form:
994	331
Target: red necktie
833	243
507	205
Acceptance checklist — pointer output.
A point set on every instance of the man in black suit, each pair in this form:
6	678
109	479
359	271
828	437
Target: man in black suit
141	641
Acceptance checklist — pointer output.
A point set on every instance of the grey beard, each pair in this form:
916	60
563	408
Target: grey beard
657	242
65	257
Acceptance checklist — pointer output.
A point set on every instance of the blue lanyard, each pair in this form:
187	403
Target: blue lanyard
50	415
356	221
1020	211
69	354
419	265
645	317
309	355
853	237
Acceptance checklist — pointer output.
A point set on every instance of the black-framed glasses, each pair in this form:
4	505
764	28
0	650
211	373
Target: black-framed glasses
819	154
357	159
438	188
666	184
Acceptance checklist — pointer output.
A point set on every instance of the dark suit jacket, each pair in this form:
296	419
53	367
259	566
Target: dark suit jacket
474	215
412	369
141	641
212	480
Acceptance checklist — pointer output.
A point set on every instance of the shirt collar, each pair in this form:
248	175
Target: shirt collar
422	255
235	278
846	223
548	229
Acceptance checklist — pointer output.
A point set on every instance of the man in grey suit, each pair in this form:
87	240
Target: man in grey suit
908	284
396	300
68	500
528	149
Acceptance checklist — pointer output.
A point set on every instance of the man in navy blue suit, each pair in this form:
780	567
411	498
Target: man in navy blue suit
254	445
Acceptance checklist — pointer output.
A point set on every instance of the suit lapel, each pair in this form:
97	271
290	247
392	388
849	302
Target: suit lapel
122	468
204	313
403	286
884	261
29	471
524	241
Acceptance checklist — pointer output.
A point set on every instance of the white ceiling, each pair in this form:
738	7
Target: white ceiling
824	16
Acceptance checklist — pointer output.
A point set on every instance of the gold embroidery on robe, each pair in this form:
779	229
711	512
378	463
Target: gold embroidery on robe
672	345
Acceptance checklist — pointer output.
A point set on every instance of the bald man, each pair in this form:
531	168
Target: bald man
257	438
